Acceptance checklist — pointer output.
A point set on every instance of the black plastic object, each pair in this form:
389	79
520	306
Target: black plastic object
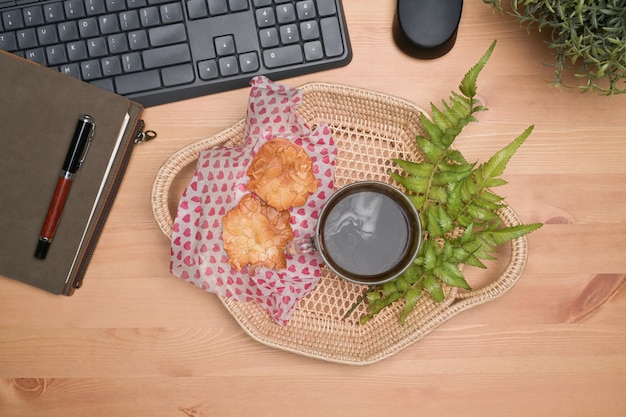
178	49
427	28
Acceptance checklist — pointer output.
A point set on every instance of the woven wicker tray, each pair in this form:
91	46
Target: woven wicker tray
370	128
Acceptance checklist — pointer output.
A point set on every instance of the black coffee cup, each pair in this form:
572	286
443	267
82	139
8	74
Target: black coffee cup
368	232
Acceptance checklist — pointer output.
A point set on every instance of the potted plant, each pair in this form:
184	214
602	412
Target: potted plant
588	38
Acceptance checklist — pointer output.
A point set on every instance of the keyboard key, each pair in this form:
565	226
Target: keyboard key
149	16
12	19
37	55
8	41
285	13
178	75
217	7
141	81
74	9
115	5
265	17
88	27
90	70
26	39
33	16
77	51
238	5
289	34
108	24
111	66
167	55
131	62
228	66
72	70
117	43
326	7
313	51
94	7
68	31
53	12
331	34
129	20
261	3
207	70
305	9
138	40
105	83
309	30
249	62
133	4
280	57
171	13
56	54
197	9
269	37
97	47
225	45
167	35
47	35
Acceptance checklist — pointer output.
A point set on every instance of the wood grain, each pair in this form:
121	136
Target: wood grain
135	341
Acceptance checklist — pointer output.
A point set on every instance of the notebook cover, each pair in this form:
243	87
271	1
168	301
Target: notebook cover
39	110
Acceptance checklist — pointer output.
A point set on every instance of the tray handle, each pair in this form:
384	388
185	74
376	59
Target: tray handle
175	163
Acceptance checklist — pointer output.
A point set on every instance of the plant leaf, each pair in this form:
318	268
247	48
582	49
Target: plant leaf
414	184
431	151
501	236
495	166
433	223
468	84
434	289
412	297
450	273
430	254
415	169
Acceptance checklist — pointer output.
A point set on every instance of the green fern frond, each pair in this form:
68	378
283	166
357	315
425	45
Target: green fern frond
468	85
455	200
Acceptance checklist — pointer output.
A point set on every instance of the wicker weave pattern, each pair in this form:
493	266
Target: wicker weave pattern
370	129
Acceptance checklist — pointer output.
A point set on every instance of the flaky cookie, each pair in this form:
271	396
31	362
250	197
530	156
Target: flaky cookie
256	234
281	174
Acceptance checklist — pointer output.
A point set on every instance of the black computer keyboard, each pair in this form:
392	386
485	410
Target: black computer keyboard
159	51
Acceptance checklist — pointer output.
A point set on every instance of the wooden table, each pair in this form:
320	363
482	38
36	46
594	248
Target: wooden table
135	341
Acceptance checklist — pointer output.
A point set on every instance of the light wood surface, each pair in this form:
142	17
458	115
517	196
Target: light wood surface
135	341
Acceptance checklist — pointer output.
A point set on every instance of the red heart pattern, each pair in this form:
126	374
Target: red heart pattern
197	250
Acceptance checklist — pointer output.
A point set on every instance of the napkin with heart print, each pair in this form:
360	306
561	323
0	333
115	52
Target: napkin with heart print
220	180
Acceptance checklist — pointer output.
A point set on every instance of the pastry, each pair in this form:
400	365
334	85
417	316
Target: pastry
281	174
256	234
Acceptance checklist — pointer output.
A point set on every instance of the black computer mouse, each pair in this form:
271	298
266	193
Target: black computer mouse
426	28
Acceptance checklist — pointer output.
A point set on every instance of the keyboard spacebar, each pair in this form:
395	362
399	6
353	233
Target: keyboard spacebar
138	81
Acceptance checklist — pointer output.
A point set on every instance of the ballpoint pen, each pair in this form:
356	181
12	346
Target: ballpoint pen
73	161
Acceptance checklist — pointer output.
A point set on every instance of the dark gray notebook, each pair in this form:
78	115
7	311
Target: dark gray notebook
39	111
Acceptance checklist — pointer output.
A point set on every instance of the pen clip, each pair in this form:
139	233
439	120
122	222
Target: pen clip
92	131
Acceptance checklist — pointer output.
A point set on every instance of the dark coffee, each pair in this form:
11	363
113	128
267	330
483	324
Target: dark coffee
368	233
